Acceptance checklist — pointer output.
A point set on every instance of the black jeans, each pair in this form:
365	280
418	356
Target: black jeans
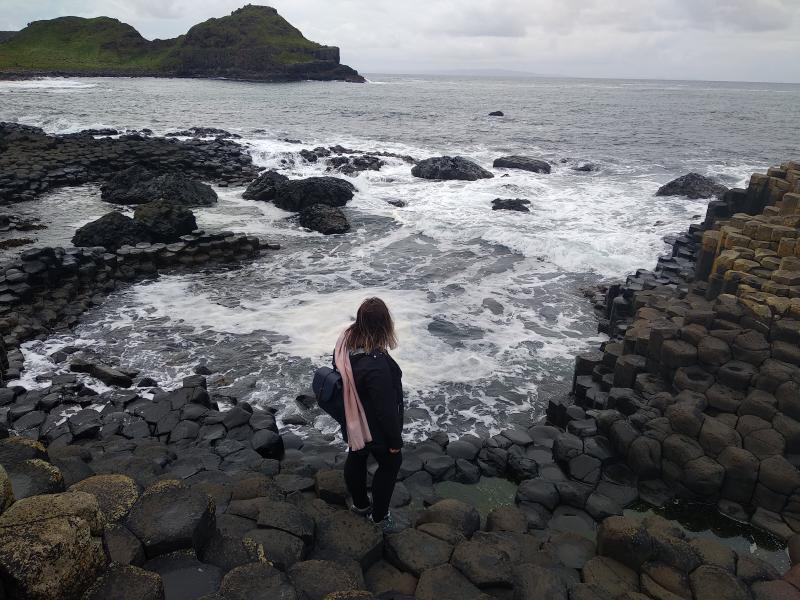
355	475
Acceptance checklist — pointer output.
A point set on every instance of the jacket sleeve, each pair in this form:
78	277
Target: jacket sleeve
381	391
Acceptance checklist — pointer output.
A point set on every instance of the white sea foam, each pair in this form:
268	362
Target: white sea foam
45	85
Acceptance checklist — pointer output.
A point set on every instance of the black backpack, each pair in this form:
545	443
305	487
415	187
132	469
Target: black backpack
327	386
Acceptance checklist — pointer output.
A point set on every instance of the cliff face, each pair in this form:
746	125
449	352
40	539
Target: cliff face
254	42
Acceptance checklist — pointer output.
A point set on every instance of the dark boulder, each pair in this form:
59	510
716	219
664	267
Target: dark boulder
264	186
525	163
167	222
450	167
692	185
112	231
137	185
297	194
497	113
325	219
511	204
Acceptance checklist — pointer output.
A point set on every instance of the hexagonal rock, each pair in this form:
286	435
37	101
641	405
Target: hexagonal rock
115	494
774	590
715	436
447	583
457	514
751	347
736	374
6	492
382	577
710	583
779	475
33	477
413	551
122	546
330	486
170	516
677	353
286	517
507	518
585	468
713	351
346	535
124	582
741	472
610	578
280	548
625	540
483	564
788	396
16	449
534	581
256	580
680	449
703	476
685	418
48	548
760	404
765	443
184	576
460	449
644	457
659	580
315	579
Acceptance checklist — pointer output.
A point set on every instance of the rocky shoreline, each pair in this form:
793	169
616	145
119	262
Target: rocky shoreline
139	492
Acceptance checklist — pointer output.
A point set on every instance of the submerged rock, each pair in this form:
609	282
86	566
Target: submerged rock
167	222
517	204
324	219
497	113
264	187
112	231
450	167
298	194
692	185
137	185
525	163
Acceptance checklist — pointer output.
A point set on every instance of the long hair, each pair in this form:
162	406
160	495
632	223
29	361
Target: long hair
373	328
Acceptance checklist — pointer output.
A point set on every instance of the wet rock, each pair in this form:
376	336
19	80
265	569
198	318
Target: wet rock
296	195
315	579
279	547
457	514
137	185
483	564
257	581
170	516
33	477
525	163
166	222
496	113
447	583
692	185
49	548
112	231
414	551
267	443
516	204
449	167
346	535
327	220
115	494
125	582
264	187
184	577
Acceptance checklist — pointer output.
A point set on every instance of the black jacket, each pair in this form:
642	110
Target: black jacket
379	384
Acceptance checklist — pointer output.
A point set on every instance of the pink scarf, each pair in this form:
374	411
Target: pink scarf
357	428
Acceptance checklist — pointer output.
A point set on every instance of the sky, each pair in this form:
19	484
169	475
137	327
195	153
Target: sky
730	40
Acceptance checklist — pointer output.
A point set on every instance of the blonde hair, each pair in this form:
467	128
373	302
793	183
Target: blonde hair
373	328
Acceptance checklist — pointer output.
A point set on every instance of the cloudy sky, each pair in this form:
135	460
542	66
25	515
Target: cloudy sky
749	40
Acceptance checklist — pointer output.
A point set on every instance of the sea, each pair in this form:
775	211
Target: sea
490	306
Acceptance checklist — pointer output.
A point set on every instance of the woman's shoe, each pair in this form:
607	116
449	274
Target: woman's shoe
361	512
387	524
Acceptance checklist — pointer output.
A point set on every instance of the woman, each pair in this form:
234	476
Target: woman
373	402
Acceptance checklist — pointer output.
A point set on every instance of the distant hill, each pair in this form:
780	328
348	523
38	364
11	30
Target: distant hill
253	43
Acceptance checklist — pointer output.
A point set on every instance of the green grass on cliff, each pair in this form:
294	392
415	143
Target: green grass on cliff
252	38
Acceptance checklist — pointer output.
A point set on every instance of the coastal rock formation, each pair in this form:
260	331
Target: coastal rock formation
296	195
165	221
692	185
32	162
525	163
138	185
112	231
324	219
253	43
450	167
264	187
517	204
